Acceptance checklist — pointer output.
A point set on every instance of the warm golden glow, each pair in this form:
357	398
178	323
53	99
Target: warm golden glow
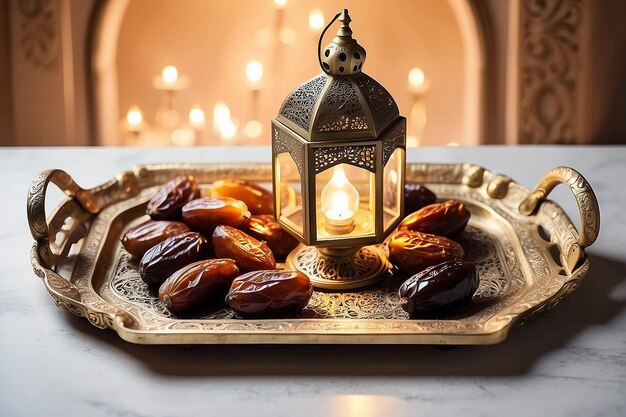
280	3
228	130
340	207
222	122
416	78
340	202
412	141
288	36
254	72
316	20
364	405
196	117
183	137
393	177
134	118
253	129
221	114
169	75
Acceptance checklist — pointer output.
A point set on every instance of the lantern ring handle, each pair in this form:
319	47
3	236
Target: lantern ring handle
319	43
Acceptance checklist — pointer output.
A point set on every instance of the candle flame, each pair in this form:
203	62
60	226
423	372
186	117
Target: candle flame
222	122
316	19
339	204
169	74
340	198
196	116
416	77
339	177
254	71
228	130
134	117
221	114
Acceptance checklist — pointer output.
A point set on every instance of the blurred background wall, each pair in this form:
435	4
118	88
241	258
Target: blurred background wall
88	72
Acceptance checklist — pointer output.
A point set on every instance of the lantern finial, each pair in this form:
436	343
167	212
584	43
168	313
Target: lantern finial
344	34
343	56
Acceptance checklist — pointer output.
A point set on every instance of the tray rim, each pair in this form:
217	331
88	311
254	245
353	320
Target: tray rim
103	315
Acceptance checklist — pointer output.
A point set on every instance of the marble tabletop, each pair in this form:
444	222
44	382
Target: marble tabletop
571	362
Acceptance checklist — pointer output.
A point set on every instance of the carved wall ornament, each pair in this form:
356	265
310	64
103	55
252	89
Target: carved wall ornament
39	31
550	70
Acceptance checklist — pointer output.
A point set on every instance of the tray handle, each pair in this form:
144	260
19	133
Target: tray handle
587	206
36	202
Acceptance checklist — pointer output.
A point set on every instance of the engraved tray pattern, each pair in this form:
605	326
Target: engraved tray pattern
377	302
519	276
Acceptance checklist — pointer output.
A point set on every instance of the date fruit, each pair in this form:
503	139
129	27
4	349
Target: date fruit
206	213
141	238
413	251
416	196
263	294
249	253
167	257
439	288
171	197
257	198
264	227
200	283
446	219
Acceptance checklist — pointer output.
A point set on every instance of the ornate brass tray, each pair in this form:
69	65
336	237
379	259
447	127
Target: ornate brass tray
528	253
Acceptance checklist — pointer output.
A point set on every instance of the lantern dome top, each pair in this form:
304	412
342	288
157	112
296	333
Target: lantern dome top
343	56
342	103
339	108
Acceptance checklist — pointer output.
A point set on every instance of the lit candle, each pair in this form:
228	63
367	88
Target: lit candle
196	117
169	76
228	130
222	122
170	80
134	119
254	72
418	84
316	20
417	81
340	202
221	115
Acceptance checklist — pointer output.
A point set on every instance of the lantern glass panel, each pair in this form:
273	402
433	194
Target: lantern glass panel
288	193
345	203
392	187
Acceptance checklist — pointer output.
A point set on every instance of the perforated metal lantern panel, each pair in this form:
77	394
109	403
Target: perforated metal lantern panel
298	175
339	108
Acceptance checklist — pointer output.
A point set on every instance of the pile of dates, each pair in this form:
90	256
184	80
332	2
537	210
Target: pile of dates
203	248
424	247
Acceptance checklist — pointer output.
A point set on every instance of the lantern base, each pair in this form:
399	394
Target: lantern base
339	269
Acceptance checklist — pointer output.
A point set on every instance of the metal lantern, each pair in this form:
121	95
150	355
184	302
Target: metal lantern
338	148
